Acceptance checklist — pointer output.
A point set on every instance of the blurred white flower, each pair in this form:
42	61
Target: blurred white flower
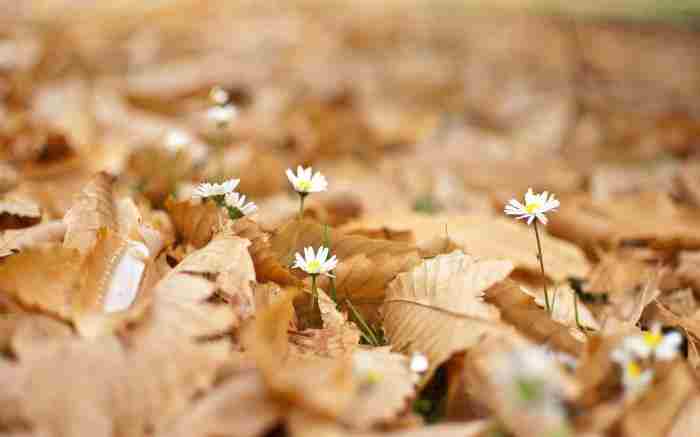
650	344
634	379
315	263
419	363
237	202
304	183
207	189
535	207
177	140
218	96
222	115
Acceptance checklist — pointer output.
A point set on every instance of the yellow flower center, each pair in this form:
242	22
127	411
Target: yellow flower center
304	185
373	377
532	207
313	266
652	339
633	369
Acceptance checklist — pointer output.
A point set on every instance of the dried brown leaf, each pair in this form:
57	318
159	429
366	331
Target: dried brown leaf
484	236
564	307
94	208
289	375
227	259
438	309
15	240
650	218
338	336
194	223
365	266
43	278
654	414
267	266
18	212
240	407
380	401
519	310
688	420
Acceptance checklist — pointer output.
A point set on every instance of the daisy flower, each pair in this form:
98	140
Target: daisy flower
304	183
634	379
535	207
653	343
215	190
222	115
237	206
315	263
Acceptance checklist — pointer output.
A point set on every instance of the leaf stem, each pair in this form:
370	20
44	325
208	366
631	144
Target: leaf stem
544	277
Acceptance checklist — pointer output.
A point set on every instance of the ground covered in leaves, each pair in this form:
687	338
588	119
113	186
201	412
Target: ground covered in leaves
128	308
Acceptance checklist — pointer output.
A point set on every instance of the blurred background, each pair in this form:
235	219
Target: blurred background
543	93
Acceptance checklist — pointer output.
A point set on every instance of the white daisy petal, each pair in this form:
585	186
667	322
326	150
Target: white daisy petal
535	208
315	262
669	347
304	182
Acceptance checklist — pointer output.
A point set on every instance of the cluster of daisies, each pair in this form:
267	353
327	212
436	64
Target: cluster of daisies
313	262
637	354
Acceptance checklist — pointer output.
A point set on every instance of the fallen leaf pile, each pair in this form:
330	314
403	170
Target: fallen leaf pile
132	305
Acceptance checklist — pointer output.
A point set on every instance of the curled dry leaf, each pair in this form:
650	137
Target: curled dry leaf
338	336
18	213
483	236
365	266
438	309
519	309
115	284
180	298
267	265
227	259
194	223
94	208
320	385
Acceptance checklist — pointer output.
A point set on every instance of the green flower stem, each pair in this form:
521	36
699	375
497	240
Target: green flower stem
544	277
578	323
367	332
302	196
314	292
331	279
234	213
